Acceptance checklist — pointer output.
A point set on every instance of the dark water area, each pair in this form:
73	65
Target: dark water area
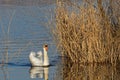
89	72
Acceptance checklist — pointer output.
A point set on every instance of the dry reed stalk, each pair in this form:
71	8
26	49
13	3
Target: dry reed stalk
88	34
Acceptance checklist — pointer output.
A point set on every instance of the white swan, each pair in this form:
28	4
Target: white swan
37	59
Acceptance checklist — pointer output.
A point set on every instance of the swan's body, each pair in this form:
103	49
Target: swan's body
37	59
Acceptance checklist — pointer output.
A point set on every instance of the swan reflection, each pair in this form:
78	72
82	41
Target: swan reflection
39	72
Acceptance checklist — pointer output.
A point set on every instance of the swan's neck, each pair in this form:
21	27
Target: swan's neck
46	60
45	52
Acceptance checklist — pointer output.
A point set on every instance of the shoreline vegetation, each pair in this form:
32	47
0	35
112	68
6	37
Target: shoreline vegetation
89	31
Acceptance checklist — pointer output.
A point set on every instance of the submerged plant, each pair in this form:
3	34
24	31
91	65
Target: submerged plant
6	35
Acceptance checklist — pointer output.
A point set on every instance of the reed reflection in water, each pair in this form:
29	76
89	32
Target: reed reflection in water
4	72
39	72
88	71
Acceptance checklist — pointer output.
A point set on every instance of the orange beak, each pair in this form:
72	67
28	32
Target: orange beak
46	48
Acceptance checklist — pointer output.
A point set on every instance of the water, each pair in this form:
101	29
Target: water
88	72
23	29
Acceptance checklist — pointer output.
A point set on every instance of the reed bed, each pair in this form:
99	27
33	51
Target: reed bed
88	32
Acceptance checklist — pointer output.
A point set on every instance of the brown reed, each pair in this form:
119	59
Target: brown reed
89	32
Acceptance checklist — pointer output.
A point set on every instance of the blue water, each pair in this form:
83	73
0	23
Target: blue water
23	29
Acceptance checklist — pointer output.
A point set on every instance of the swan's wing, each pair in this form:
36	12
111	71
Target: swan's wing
32	53
34	59
39	53
39	56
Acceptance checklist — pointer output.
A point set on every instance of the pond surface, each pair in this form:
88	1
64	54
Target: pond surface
23	28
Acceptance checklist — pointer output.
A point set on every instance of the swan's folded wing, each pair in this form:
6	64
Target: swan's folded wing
39	53
32	53
35	61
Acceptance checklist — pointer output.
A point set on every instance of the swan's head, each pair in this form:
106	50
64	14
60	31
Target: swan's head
45	47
